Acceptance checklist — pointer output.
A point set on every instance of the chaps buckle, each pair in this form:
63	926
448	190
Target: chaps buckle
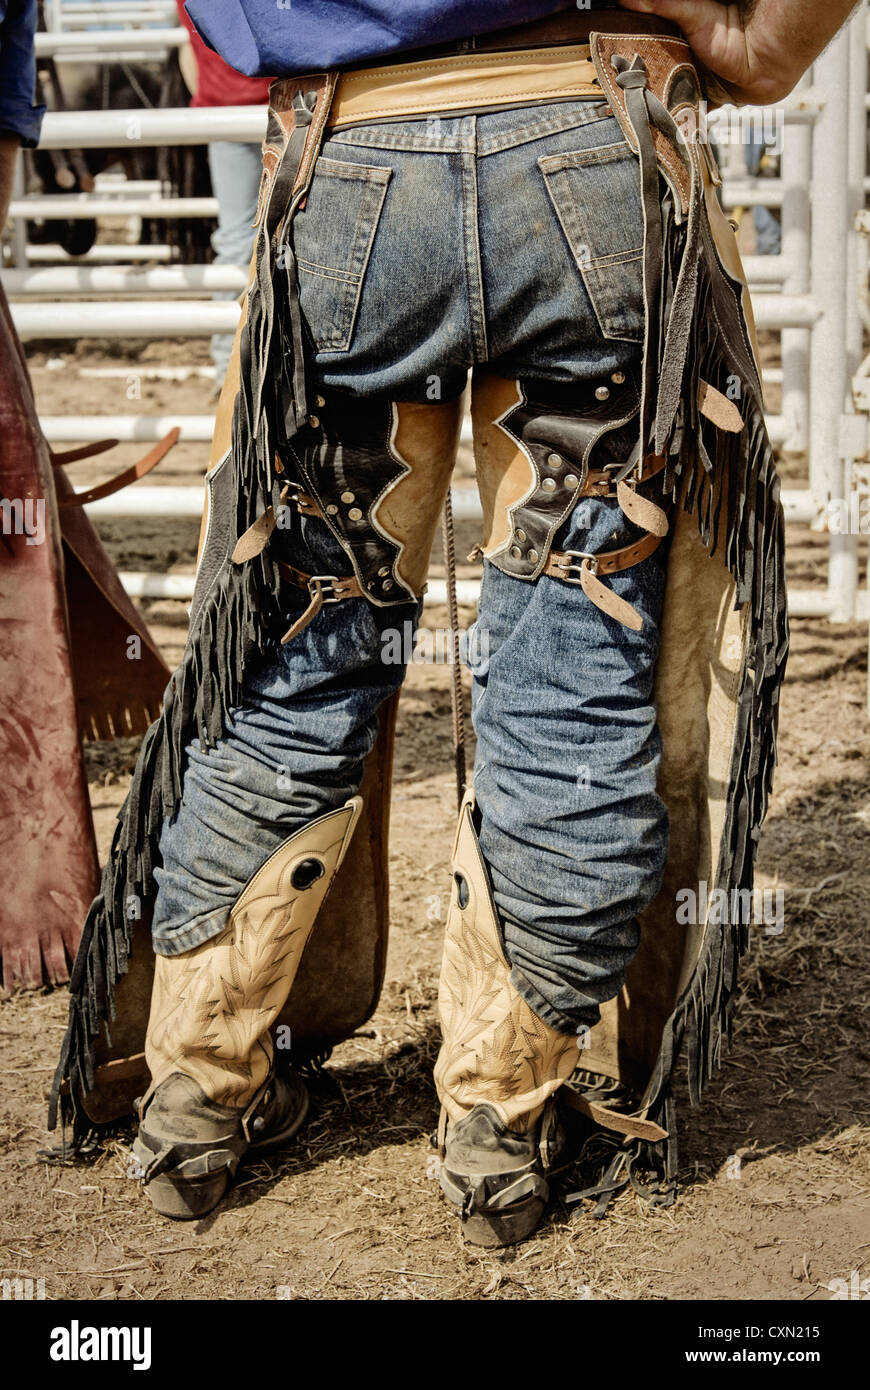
570	570
317	585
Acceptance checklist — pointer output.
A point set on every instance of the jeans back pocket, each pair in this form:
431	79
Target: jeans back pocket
332	240
596	197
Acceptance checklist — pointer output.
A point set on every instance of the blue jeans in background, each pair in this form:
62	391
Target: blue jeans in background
428	250
768	225
235	179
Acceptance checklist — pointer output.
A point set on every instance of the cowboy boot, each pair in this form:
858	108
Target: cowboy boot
214	1093
497	1072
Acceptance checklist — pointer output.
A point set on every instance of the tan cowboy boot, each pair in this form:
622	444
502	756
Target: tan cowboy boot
497	1070
213	1092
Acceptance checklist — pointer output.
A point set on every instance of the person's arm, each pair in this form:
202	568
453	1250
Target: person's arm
8	157
758	49
20	120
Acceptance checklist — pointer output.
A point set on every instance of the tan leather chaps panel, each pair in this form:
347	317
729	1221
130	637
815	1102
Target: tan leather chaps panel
212	1007
223	425
495	1049
425	439
222	438
726	244
340	976
506	476
697	677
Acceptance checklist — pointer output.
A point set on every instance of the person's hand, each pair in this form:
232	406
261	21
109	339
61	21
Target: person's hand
729	46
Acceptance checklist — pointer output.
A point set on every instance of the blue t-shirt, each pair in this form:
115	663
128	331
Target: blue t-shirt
18	115
281	38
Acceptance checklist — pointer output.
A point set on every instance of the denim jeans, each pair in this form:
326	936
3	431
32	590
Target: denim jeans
428	250
768	226
235	179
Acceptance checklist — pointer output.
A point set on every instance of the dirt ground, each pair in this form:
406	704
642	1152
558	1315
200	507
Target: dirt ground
775	1171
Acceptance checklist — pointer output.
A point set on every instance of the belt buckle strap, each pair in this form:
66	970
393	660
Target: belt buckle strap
571	569
317	584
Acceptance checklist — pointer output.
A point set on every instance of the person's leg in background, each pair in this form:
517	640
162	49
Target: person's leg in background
767	223
235	179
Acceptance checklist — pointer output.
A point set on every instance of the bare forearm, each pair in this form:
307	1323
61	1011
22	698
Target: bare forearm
759	49
8	156
788	35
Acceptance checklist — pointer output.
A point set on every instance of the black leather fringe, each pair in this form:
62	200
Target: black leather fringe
729	482
231	622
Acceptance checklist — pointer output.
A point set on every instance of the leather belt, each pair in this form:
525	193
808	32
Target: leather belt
563	564
463	82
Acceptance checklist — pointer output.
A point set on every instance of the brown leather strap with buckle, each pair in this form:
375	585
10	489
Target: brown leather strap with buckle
307	506
341	586
599	481
323	588
562	564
